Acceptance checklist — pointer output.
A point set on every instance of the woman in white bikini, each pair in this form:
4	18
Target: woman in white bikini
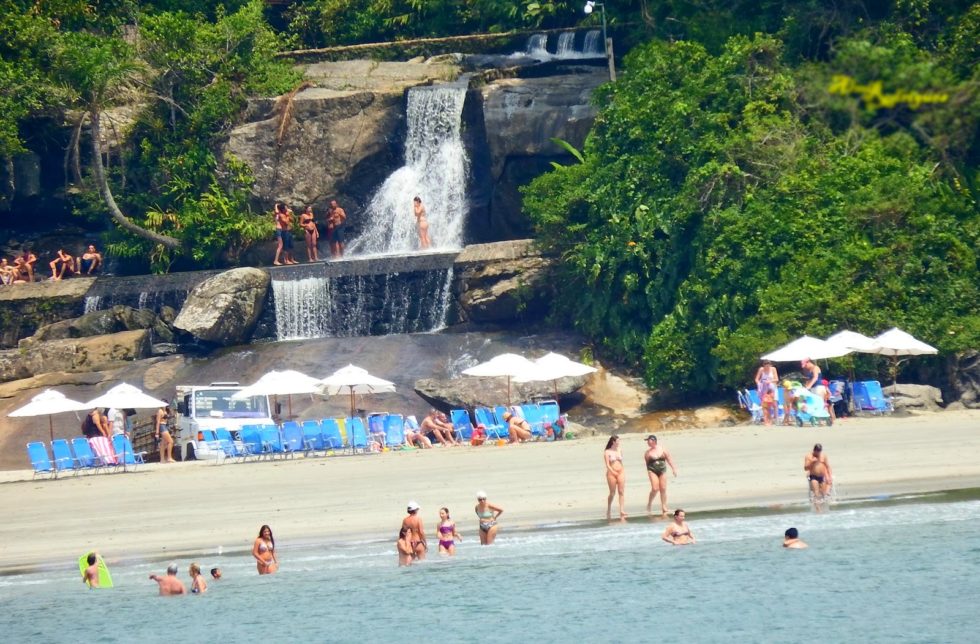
612	457
264	552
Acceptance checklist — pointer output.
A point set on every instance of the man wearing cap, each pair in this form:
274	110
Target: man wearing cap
170	585
818	475
517	427
414	522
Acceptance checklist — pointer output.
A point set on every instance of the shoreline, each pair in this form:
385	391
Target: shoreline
194	509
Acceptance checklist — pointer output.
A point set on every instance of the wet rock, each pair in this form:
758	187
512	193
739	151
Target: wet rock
164	349
964	379
503	282
466	393
12	365
224	309
914	397
75	354
112	320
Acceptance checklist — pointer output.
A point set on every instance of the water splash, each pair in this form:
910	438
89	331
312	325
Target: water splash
537	45
435	169
566	45
92	303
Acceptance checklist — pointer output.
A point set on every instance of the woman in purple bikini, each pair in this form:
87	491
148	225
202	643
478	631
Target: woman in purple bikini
448	536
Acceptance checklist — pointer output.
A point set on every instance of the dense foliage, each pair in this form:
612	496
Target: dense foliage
728	202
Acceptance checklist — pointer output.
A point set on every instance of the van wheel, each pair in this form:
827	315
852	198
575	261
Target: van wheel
190	453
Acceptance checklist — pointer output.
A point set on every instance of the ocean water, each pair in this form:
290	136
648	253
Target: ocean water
905	572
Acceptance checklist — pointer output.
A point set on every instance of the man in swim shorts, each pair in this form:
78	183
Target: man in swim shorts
818	474
414	522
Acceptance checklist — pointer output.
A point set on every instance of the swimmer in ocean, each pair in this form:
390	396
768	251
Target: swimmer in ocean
678	532
791	540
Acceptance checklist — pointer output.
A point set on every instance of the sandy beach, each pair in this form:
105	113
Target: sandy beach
192	508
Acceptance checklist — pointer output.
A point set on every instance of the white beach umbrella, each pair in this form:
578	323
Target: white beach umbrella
509	365
553	366
126	396
281	383
354	380
47	403
854	341
895	342
806	347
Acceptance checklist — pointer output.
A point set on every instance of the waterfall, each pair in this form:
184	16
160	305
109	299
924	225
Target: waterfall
435	169
566	45
361	305
537	45
92	303
593	43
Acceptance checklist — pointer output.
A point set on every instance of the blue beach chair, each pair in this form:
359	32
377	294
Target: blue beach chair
64	460
233	448
376	428
292	438
251	436
394	430
493	428
462	426
313	437
332	436
124	448
357	433
40	461
84	455
272	441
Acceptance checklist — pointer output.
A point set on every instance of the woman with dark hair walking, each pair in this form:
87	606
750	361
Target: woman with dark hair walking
612	457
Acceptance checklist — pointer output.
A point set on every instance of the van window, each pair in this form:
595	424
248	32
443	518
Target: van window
218	403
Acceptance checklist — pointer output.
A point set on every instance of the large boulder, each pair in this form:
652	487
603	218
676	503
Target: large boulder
503	282
26	307
914	397
224	309
964	378
75	354
466	393
111	320
342	137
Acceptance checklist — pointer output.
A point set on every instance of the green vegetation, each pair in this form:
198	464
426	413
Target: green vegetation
727	202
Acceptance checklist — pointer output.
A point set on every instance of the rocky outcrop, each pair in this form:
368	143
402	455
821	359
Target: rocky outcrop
74	355
466	393
342	139
224	309
24	308
113	320
503	282
914	397
964	379
521	116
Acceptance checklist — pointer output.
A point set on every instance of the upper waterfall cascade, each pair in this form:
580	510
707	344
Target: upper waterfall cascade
564	46
435	170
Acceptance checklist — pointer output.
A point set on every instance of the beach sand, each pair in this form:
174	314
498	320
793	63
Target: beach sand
188	509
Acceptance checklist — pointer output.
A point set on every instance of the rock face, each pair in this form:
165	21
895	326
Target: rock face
466	393
503	282
964	379
26	307
118	318
343	138
223	309
520	117
914	397
75	355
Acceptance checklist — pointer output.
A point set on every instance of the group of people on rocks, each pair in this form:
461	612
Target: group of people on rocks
335	225
23	268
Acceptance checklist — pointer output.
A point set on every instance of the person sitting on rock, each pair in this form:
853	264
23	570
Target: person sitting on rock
62	266
90	261
24	265
7	272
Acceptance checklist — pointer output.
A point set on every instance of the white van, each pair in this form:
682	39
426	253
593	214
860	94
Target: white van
212	407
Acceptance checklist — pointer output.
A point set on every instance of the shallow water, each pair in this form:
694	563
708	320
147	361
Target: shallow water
875	573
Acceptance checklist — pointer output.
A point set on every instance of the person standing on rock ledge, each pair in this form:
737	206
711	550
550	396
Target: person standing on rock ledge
336	222
422	222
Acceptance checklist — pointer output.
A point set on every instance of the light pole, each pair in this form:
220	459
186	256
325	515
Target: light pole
607	49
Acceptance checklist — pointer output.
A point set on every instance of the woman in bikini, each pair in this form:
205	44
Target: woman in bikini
311	233
264	552
422	223
657	459
406	553
488	514
162	431
198	585
612	457
448	536
766	381
678	532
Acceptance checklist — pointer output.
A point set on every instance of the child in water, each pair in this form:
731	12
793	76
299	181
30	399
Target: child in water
447	533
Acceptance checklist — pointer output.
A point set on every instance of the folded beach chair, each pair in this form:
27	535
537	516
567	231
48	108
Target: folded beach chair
494	429
755	405
394	430
64	460
356	433
292	438
532	414
84	455
332	436
40	461
124	450
462	426
875	399
376	428
103	449
233	448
